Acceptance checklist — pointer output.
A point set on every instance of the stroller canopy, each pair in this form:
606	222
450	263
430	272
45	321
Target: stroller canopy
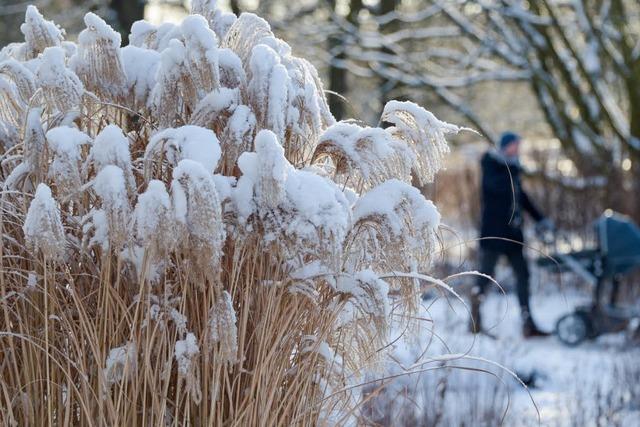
619	243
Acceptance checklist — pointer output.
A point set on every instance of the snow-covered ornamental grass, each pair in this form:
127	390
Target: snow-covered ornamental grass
188	236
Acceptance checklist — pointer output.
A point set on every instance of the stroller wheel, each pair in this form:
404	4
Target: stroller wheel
573	328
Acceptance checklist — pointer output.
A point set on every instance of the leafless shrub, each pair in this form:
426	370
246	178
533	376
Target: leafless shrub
157	270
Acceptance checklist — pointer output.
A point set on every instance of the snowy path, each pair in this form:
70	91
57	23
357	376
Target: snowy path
572	386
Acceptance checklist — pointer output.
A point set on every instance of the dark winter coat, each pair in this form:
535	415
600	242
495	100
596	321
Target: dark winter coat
503	203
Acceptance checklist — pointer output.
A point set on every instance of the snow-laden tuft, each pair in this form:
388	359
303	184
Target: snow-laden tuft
187	142
368	156
43	226
98	59
185	351
197	207
64	170
38	33
423	133
388	198
60	86
297	203
111	147
111	188
223	330
121	363
140	67
154	217
268	87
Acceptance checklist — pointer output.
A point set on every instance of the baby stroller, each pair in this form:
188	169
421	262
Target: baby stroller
616	253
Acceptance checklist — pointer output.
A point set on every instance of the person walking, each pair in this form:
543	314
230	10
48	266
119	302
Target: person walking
503	203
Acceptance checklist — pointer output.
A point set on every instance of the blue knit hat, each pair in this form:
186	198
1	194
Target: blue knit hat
508	138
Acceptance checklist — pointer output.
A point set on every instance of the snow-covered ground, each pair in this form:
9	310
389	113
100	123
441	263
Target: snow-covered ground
595	384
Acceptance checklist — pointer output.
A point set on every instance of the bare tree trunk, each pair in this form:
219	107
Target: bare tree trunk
127	12
627	44
10	20
337	84
337	75
387	85
634	154
235	7
337	72
634	209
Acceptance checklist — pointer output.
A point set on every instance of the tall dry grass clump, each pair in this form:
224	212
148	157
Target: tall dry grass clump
188	236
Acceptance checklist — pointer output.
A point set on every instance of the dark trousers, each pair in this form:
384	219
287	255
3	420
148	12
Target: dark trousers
488	261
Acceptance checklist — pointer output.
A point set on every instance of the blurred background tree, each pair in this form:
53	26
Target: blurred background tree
581	59
567	71
125	13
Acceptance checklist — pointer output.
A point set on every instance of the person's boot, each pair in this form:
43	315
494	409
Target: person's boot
475	322
529	327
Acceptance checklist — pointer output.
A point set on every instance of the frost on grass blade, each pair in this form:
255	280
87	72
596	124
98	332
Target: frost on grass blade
143	35
245	33
186	352
34	140
273	169
308	112
201	46
364	317
9	135
237	137
148	36
214	110
232	74
95	229
309	210
268	89
11	106
33	157
369	292
173	89
321	217
188	71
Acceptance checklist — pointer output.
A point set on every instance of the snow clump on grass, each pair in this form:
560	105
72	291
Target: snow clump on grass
43	226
